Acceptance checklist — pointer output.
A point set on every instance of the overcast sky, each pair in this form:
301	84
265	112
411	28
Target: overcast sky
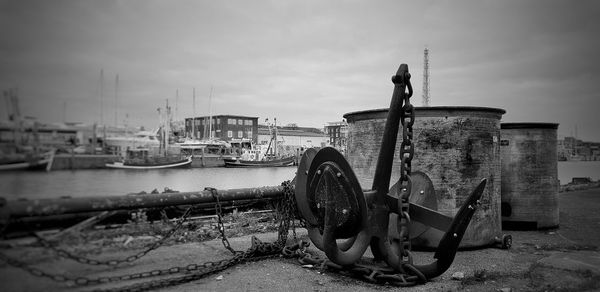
303	62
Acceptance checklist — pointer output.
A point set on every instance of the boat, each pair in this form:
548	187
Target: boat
28	162
206	153
153	165
147	157
287	161
256	157
139	159
141	139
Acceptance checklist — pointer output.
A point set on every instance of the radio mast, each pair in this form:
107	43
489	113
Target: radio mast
426	78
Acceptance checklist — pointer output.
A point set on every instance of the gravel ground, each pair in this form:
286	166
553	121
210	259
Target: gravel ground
565	259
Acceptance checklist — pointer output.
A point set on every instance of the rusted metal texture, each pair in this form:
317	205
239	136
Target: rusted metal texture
48	207
455	146
529	175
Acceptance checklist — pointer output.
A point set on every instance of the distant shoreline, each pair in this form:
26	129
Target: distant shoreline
578	187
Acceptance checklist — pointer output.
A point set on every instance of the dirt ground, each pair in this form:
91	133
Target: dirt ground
564	259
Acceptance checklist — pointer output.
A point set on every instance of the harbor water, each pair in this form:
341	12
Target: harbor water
113	182
116	182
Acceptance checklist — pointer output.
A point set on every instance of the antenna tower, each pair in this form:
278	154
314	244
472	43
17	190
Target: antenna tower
426	77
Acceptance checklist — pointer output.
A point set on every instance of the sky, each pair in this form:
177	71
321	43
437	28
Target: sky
305	62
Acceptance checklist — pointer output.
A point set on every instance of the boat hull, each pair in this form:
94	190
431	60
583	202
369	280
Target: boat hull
288	161
43	163
178	164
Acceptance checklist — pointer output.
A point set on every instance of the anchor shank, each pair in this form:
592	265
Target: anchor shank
383	169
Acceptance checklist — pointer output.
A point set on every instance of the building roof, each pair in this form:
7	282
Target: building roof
225	116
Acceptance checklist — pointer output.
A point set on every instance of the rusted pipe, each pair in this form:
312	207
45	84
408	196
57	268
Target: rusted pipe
49	207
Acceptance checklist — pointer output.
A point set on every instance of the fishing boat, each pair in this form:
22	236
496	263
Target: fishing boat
139	159
256	157
206	153
28	162
287	161
154	165
148	157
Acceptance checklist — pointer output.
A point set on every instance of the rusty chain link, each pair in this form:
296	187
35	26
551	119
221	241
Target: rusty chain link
286	210
258	250
407	151
369	273
84	260
219	212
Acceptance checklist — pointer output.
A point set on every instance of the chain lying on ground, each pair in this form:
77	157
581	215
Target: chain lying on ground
370	273
129	259
258	250
286	212
219	212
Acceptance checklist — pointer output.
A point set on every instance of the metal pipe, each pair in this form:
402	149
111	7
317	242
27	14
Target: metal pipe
49	207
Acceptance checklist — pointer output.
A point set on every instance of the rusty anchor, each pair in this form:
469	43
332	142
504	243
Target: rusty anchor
343	219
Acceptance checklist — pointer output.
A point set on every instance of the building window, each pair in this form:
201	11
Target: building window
250	134
248	122
229	134
240	134
218	121
231	121
239	122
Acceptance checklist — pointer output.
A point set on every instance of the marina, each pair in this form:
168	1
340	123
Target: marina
211	146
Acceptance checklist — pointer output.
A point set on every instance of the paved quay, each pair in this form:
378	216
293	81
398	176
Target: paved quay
564	259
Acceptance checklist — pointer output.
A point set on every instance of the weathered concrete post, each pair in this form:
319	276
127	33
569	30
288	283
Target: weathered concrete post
529	175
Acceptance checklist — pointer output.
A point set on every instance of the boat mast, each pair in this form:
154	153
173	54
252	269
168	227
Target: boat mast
210	114
194	114
101	96
167	127
275	148
116	97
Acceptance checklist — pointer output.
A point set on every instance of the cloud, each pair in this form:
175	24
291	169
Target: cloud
304	62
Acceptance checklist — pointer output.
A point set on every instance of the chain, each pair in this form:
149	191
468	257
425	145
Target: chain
129	259
258	250
373	274
220	225
407	151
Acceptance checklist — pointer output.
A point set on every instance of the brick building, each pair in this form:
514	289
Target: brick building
224	127
337	133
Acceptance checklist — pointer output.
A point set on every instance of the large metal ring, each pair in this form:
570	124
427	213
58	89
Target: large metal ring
335	196
302	185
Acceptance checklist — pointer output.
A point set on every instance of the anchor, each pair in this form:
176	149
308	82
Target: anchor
343	220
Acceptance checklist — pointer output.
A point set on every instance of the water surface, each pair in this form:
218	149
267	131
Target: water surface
113	182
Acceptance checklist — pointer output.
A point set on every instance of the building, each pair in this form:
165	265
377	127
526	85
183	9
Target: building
223	127
292	138
337	133
571	148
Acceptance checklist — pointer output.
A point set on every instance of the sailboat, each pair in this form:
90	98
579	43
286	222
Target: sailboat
140	158
16	155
